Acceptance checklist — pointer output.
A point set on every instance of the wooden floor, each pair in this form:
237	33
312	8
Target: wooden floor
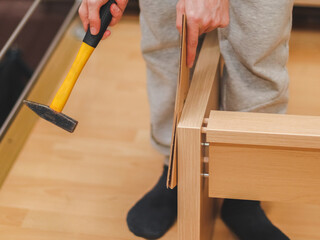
80	186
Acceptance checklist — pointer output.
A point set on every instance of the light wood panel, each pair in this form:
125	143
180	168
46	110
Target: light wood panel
268	173
299	221
307	3
195	209
181	95
280	130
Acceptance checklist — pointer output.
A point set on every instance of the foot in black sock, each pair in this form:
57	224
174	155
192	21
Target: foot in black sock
155	213
248	221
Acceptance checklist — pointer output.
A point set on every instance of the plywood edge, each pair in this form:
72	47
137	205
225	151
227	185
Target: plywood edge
307	3
264	129
181	94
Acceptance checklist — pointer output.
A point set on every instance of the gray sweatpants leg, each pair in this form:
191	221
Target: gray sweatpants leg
255	49
160	49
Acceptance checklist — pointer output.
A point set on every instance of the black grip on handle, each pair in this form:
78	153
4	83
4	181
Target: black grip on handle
105	17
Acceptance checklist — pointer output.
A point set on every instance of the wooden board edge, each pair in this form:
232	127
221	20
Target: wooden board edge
264	129
307	3
181	94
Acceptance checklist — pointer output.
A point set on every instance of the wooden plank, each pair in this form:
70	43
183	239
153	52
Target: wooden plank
264	173
19	129
195	208
181	95
307	3
264	129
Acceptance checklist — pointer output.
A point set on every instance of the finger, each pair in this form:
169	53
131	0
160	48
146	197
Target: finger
83	14
205	24
192	42
216	23
106	34
179	22
180	11
122	4
225	21
116	12
209	28
94	16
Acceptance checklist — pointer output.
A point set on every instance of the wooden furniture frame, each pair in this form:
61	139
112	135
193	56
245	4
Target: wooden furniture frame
195	208
307	3
276	157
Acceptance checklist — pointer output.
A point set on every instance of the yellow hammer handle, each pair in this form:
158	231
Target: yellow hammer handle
65	90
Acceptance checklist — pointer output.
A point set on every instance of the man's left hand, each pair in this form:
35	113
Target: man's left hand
203	16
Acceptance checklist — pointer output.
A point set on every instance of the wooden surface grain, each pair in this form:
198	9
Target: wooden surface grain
266	129
195	208
268	173
307	3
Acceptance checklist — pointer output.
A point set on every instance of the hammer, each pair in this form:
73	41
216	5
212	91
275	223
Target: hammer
54	113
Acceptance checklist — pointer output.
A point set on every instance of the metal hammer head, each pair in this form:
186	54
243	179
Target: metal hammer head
57	118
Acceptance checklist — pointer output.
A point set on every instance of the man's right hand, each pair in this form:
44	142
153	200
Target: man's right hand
89	14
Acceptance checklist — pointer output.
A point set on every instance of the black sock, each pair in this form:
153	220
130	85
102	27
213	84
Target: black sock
155	213
248	221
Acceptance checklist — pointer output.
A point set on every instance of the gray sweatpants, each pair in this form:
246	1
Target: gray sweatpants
254	47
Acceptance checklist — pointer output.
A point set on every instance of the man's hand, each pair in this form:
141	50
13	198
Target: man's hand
89	14
202	16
